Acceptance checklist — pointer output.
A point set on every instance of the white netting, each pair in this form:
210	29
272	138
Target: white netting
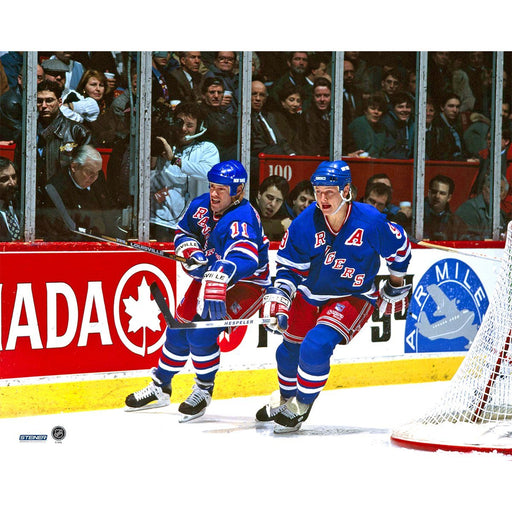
476	410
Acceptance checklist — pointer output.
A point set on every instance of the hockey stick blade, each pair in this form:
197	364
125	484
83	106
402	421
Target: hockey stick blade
172	323
71	225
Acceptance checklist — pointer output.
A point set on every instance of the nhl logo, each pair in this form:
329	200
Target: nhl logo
446	309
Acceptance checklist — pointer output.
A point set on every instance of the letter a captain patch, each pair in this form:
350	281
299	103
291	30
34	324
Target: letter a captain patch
356	238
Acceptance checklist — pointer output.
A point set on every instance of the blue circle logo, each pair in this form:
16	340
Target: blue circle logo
446	309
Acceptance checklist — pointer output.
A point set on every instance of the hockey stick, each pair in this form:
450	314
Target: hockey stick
71	225
451	249
172	323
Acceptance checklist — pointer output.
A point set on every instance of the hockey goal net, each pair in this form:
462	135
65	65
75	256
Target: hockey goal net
475	412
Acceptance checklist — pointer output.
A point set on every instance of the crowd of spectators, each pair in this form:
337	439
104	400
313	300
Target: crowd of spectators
87	98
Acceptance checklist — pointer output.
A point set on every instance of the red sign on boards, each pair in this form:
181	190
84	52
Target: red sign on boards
81	311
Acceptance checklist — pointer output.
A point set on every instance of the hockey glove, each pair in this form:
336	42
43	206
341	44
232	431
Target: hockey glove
192	250
393	299
276	304
212	295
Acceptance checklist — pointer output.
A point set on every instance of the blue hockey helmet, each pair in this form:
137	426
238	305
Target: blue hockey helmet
229	172
332	174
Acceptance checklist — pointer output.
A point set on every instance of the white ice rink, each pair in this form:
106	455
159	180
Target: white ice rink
342	459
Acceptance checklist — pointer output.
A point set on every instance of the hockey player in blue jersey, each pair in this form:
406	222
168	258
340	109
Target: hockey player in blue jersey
222	233
324	291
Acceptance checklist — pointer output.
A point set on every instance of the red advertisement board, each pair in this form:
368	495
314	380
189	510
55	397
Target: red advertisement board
67	312
401	172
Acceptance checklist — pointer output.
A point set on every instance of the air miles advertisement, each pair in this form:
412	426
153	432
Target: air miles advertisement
446	308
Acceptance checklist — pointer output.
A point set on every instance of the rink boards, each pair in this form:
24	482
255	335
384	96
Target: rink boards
79	329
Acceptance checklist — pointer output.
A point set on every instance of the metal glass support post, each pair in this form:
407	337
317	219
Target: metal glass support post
29	144
143	143
495	149
244	116
419	144
336	149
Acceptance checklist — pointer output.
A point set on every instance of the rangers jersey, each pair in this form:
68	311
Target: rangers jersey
236	236
325	265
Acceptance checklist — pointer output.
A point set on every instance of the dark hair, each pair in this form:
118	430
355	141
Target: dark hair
321	81
190	108
379	188
448	96
289	89
379	176
209	81
314	61
277	181
302	186
375	100
441	178
401	97
290	55
48	85
5	163
394	73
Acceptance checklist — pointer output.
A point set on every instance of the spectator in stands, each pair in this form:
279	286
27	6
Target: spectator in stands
384	178
352	96
391	83
480	82
223	67
10	225
222	124
4	84
265	138
318	118
361	72
430	139
12	63
301	196
289	120
475	136
440	223
11	108
74	72
449	141
86	103
400	127
367	131
55	71
379	195
410	85
485	161
160	94
185	82
476	211
384	64
85	195
57	136
269	203
297	63
180	166
317	67
443	78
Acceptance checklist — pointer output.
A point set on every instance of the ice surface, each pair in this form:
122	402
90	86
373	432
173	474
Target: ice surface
342	459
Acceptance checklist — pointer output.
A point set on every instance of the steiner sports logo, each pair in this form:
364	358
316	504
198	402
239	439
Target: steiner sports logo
446	309
134	305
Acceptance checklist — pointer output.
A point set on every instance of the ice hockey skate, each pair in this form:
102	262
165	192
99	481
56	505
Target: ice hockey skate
291	417
154	395
195	405
275	405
